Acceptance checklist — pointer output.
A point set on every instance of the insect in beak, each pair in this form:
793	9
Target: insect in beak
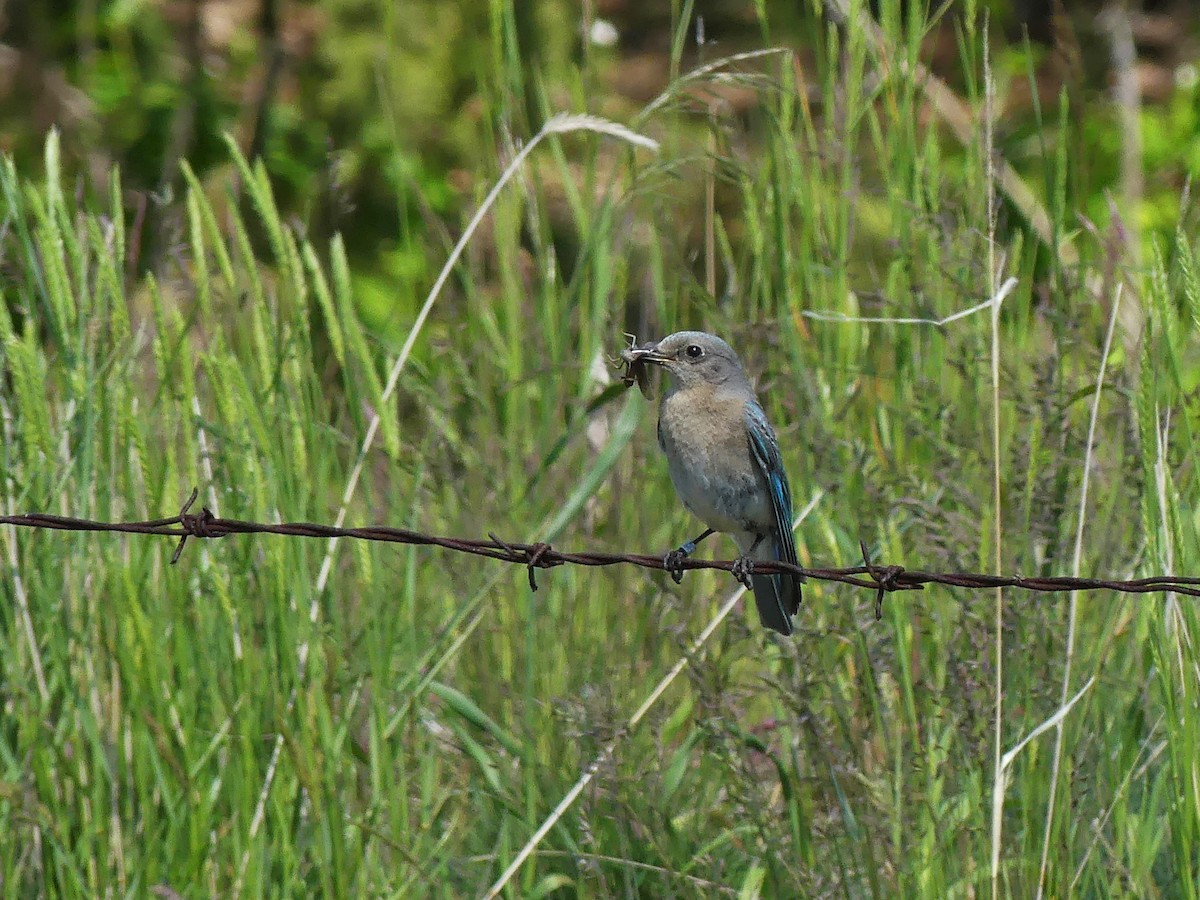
635	359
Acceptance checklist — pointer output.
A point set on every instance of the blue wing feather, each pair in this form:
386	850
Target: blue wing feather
777	596
770	463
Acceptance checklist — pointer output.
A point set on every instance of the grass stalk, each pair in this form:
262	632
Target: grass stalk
1073	603
608	752
999	783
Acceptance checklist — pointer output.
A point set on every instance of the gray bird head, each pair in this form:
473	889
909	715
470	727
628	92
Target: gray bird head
690	357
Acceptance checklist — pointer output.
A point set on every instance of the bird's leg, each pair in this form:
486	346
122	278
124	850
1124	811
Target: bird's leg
743	566
673	561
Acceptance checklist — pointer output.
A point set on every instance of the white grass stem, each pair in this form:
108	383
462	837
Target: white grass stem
999	297
1076	565
607	753
1055	721
559	124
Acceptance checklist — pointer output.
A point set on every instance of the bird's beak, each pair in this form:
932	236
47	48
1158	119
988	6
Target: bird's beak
646	353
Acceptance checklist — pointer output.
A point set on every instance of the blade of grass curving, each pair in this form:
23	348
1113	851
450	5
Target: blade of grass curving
702	72
1053	722
997	298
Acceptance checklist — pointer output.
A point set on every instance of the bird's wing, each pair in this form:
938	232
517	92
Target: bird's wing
766	454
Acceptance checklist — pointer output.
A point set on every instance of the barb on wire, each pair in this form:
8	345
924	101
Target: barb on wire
885	579
882	579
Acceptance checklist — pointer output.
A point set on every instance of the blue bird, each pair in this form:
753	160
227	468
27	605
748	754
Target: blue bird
725	464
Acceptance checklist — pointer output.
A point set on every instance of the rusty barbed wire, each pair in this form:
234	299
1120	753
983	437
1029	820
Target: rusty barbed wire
883	579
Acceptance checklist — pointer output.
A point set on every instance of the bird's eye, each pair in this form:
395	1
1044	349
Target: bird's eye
695	351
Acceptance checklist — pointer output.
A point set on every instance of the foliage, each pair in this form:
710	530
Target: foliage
249	722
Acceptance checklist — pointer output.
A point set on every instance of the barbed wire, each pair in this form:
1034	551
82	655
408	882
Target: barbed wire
884	579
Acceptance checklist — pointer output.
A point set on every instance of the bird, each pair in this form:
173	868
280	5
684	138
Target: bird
724	461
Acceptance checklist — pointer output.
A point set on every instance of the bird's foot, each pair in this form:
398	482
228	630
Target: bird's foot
743	568
673	561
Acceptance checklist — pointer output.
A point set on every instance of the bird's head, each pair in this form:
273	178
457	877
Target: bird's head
689	357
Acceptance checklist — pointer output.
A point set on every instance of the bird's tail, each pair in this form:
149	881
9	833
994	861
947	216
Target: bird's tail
776	596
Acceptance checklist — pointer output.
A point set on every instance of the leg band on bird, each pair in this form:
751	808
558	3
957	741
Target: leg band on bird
673	561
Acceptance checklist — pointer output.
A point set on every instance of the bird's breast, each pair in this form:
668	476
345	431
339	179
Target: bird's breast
709	458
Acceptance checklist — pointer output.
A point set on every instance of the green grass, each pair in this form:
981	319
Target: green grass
247	723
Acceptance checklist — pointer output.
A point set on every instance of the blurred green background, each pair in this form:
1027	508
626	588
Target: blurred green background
220	223
377	120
